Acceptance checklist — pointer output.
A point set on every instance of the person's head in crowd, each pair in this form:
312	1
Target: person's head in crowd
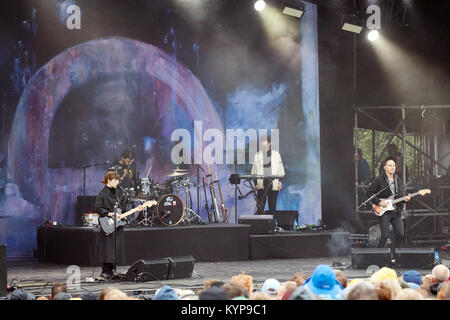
245	281
412	276
88	295
383	291
284	287
363	290
427	281
165	293
271	287
447	291
261	295
440	273
299	278
42	298
441	293
288	294
58	288
214	293
324	284
354	281
20	294
102	294
383	274
213	282
393	286
234	289
409	294
303	293
341	277
62	296
115	294
186	294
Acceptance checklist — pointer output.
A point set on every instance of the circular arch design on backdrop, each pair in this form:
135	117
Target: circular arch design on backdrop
29	139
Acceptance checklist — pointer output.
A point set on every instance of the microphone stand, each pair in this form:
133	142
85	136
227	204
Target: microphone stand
235	195
116	206
84	180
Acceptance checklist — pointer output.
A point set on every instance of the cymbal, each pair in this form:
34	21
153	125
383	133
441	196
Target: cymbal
181	170
178	174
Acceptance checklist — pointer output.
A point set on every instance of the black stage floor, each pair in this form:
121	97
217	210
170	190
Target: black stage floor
38	277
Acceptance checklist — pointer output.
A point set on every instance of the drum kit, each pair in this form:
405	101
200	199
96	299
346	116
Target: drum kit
171	210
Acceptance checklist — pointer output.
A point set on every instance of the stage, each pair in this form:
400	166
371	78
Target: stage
207	243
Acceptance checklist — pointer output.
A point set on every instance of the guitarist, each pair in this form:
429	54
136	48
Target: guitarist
394	189
111	247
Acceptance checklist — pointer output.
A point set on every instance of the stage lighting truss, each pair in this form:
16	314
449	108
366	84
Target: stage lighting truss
293	8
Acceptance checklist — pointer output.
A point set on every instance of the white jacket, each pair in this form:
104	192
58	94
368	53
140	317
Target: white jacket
276	166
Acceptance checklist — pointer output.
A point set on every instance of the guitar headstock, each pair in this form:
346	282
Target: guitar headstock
150	203
424	192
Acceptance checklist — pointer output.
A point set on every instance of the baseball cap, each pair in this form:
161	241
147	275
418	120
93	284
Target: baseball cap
271	286
324	284
166	293
412	276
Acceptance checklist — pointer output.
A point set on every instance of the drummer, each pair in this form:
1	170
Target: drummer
127	170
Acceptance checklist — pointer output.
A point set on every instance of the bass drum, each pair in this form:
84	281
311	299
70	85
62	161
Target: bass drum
170	210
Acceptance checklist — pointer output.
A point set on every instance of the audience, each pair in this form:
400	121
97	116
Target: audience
325	283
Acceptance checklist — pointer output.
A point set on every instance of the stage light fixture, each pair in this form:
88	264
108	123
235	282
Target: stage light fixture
293	8
351	24
260	5
373	35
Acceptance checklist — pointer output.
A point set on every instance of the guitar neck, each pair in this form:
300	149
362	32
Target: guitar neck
403	198
129	212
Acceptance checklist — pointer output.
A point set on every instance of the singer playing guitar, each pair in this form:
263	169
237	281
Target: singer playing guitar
111	248
393	189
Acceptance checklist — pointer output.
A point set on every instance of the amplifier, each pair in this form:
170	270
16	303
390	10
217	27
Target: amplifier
260	224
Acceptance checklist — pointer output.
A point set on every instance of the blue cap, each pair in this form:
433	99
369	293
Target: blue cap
324	284
412	276
166	293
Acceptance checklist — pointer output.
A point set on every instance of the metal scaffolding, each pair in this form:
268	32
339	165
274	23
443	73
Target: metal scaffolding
424	174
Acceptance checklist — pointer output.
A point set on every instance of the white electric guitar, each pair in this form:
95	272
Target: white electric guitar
379	210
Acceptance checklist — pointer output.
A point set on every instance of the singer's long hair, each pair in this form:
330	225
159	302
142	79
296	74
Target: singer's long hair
109	176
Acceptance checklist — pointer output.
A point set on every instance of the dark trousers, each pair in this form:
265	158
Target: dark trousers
271	197
394	218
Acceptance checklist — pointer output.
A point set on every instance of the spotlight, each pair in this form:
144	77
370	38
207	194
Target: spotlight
351	24
293	8
259	5
373	35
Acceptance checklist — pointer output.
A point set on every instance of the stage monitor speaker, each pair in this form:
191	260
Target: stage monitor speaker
417	258
3	274
181	267
260	224
285	219
364	257
148	270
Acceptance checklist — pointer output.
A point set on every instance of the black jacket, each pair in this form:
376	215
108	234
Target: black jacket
381	182
106	200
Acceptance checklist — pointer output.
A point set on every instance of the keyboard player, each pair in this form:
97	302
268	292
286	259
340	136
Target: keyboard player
267	162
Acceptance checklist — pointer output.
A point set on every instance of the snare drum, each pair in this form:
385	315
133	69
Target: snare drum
90	219
170	210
